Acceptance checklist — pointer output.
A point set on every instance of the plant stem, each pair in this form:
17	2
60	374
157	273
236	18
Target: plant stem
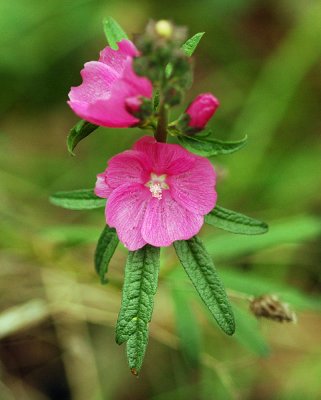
161	130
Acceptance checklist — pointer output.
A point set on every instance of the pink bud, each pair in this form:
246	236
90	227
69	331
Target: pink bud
201	110
133	104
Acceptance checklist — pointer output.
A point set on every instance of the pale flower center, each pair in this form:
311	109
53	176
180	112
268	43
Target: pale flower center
157	184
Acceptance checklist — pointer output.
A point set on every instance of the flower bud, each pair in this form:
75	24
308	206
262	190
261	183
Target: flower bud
164	28
133	104
201	110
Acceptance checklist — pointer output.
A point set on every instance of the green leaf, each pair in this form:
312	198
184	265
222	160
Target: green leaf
114	33
168	70
190	45
83	199
248	332
201	271
105	249
81	130
140	284
234	222
210	147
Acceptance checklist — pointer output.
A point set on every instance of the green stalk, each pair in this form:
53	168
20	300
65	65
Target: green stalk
161	130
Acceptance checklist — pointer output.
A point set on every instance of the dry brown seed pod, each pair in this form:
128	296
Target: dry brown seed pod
269	306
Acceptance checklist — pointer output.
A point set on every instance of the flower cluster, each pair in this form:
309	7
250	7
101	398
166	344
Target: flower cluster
157	192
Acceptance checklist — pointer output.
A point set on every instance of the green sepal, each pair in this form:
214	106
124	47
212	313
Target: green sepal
81	130
140	284
235	222
82	199
201	271
106	246
210	147
190	45
114	32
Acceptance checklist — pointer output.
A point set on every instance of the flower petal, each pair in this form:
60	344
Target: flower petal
166	158
128	167
111	110
139	85
97	81
195	188
102	188
87	99
116	59
125	211
166	221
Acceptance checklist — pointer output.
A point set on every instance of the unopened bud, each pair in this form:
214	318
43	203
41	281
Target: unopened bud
201	110
164	29
133	104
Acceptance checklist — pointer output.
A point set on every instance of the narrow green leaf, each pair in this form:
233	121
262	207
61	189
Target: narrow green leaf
210	147
114	33
140	284
201	271
190	45
235	222
168	70
83	199
81	130
105	249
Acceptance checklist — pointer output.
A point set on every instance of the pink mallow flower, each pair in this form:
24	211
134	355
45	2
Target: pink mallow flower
157	193
108	85
201	110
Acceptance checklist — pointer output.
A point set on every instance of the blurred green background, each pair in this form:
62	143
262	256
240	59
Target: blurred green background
262	60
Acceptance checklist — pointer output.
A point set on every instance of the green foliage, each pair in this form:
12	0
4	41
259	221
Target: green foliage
190	45
201	271
140	284
210	147
105	249
294	230
81	130
70	235
83	199
187	326
248	332
235	222
253	284
114	33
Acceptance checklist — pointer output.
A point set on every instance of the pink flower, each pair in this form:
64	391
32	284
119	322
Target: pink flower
157	193
201	110
107	84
